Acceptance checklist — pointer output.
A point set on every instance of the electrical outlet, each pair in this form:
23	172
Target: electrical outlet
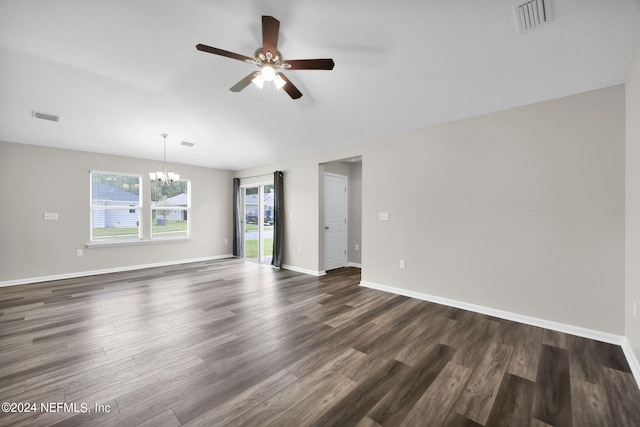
357	247
299	249
226	241
403	264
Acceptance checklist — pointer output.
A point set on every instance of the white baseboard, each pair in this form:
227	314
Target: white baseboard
534	321
620	340
304	270
106	270
634	364
354	264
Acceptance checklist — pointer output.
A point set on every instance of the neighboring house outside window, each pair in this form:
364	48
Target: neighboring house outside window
170	209
116	203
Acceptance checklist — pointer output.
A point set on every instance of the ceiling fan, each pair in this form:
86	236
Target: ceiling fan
269	60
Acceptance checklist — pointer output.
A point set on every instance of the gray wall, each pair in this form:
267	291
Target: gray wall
34	180
520	210
632	264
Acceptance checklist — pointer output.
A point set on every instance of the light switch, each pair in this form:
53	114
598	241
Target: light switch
383	216
50	216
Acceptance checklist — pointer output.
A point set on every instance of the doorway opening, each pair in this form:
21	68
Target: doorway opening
340	214
258	202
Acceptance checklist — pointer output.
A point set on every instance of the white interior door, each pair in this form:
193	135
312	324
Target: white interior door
335	221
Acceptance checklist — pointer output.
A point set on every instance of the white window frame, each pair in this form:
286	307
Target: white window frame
186	209
139	207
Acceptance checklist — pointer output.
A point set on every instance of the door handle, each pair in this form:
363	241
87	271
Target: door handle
326	227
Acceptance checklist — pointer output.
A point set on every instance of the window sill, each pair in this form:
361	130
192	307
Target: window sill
136	242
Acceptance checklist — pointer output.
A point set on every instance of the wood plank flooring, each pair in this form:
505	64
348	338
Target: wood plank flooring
236	343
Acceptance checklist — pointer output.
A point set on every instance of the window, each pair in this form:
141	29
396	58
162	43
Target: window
116	202
170	209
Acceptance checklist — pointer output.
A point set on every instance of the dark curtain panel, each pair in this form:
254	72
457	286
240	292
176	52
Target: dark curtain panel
237	219
278	219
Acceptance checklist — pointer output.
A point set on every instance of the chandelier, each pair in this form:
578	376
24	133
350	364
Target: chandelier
163	176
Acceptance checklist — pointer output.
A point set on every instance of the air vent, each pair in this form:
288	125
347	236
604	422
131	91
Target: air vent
187	144
45	116
531	14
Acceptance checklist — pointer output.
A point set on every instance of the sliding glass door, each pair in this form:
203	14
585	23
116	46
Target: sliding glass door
258	222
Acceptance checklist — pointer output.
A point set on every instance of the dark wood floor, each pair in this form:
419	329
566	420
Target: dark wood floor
236	343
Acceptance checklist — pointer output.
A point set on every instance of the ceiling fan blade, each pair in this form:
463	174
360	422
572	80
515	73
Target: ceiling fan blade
216	51
288	87
244	82
310	64
270	29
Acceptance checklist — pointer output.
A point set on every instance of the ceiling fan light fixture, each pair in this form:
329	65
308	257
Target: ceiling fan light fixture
279	81
269	61
268	72
258	80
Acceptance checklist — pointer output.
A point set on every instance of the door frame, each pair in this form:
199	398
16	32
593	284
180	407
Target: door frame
243	189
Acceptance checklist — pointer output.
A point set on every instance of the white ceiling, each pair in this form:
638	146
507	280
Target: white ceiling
121	72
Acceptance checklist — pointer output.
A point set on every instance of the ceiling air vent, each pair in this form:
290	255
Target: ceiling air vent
531	14
45	116
187	144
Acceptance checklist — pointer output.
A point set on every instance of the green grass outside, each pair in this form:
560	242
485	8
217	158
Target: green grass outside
172	227
251	248
254	227
115	233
